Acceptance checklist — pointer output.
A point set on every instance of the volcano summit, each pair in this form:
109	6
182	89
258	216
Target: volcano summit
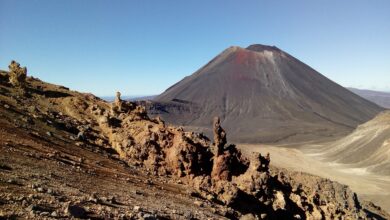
263	94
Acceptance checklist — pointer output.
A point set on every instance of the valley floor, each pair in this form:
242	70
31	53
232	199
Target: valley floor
369	186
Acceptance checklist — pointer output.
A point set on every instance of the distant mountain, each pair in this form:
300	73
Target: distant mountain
128	98
380	98
139	98
263	94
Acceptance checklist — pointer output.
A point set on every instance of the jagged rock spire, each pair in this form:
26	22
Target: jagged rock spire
219	136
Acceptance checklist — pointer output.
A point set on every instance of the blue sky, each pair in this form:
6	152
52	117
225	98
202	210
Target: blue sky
141	47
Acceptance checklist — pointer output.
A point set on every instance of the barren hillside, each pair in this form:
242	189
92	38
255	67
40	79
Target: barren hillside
66	154
367	148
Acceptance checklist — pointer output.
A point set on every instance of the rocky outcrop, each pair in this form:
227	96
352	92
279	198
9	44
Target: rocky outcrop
227	160
116	106
17	74
219	136
217	171
255	180
320	198
149	142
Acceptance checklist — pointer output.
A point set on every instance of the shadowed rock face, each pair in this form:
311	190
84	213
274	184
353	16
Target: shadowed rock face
263	94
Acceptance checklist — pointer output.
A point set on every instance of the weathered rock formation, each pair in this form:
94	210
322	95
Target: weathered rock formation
219	136
227	160
161	149
218	172
117	105
17	74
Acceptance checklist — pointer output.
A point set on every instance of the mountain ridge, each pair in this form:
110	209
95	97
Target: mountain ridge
381	98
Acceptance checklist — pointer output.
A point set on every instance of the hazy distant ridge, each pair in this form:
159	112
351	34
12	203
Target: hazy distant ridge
380	98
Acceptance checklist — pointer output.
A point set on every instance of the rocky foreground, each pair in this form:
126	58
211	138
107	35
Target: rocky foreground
65	154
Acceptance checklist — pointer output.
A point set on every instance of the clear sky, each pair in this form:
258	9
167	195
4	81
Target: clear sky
141	47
